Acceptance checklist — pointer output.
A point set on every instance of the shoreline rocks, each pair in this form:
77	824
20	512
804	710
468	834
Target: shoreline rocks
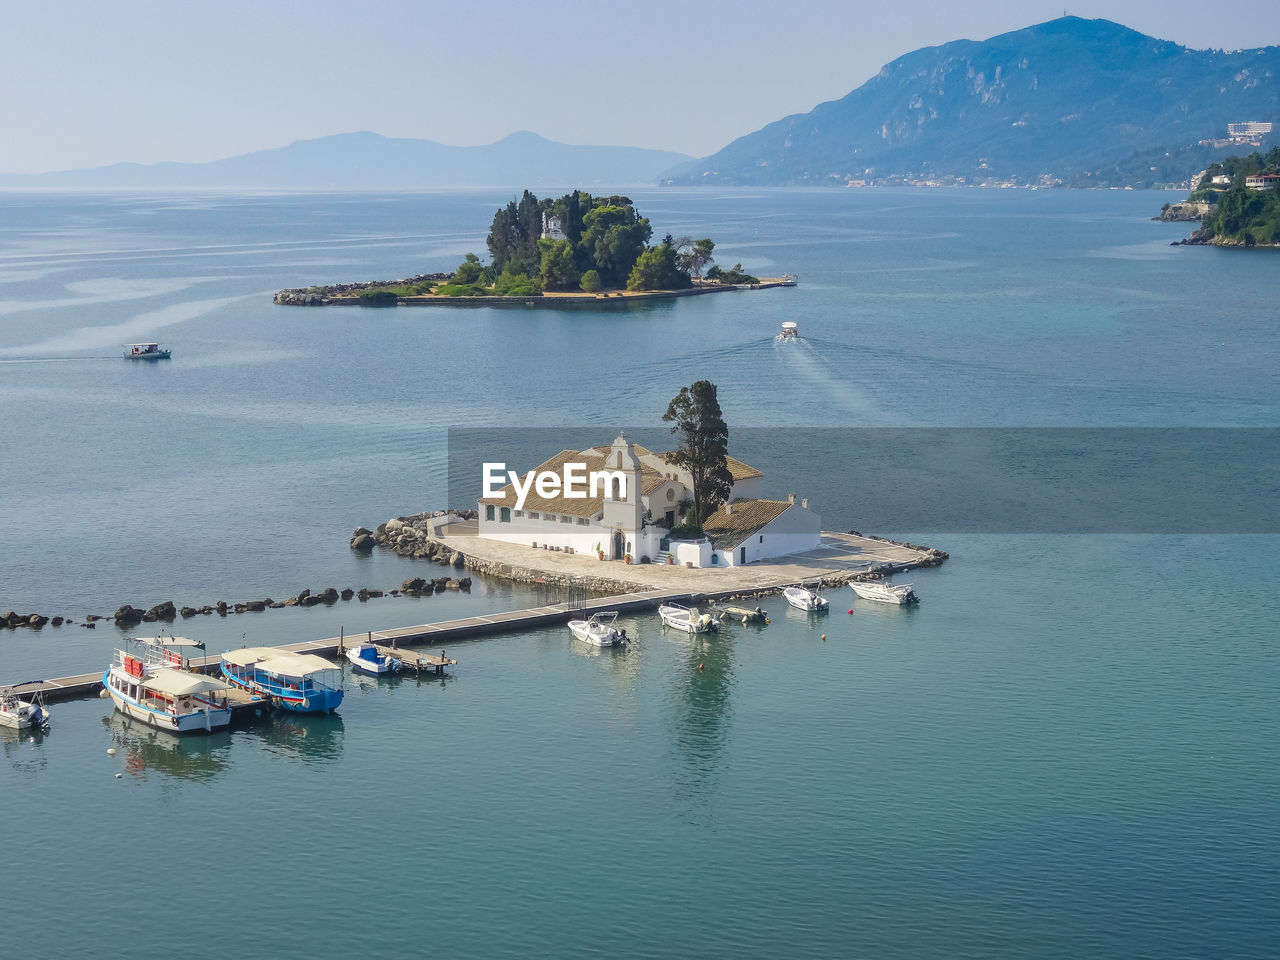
319	296
1187	212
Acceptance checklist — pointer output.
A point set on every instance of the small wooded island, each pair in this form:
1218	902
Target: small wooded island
577	248
1237	202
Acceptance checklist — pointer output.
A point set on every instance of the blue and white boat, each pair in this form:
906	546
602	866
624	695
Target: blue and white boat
150	680
367	659
303	683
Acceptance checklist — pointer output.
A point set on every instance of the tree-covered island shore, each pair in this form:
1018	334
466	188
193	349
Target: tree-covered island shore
573	249
1237	202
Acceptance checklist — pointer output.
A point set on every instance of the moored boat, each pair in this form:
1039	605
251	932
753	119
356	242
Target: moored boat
882	591
151	681
788	280
146	351
23	714
690	621
807	598
599	629
367	659
300	682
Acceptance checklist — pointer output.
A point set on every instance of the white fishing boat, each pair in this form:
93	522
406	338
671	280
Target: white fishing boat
599	630
146	351
151	680
788	280
23	714
367	659
883	591
789	330
690	621
807	598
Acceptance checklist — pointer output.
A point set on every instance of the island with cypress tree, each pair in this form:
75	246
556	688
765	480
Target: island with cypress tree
574	249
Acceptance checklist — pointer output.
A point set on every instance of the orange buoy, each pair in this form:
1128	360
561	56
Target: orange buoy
701	665
824	638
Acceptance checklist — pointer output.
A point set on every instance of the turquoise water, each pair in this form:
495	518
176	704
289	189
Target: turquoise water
1069	749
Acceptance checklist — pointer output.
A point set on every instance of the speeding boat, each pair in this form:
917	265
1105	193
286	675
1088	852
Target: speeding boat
690	621
301	682
882	591
367	659
23	714
807	598
599	630
150	680
789	330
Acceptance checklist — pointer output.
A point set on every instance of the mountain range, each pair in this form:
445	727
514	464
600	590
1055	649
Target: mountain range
364	160
1082	102
1037	104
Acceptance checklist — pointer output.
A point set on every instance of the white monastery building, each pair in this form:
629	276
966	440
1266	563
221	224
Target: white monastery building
635	522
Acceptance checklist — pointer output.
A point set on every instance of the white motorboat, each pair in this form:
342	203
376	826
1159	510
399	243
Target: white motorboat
146	351
151	681
367	659
806	598
690	621
23	714
882	591
599	630
788	280
789	330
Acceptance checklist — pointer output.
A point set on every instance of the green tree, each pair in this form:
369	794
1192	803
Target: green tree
468	271
591	282
558	270
704	443
613	237
656	269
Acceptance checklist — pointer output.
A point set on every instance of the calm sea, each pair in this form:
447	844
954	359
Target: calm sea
1070	749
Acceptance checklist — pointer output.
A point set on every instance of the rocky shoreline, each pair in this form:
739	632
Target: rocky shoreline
320	296
128	615
1188	212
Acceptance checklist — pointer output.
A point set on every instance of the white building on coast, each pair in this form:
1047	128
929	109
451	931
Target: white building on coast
637	523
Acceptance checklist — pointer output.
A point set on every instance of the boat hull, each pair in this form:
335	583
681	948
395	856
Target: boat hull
297	701
604	637
803	600
208	718
880	594
27	715
375	668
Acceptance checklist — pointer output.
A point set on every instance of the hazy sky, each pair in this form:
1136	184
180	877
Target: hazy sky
86	82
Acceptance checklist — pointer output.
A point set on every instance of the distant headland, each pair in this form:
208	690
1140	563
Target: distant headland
1236	201
577	249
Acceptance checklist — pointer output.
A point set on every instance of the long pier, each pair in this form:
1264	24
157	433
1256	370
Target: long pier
395	641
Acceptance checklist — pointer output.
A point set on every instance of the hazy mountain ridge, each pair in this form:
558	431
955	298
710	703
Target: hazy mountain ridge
369	160
1046	101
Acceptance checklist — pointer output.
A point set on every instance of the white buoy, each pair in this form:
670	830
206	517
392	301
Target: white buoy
111	751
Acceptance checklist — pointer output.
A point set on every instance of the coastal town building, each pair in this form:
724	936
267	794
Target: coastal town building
1263	181
635	520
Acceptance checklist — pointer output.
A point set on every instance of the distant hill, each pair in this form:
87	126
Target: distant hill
1051	100
368	160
